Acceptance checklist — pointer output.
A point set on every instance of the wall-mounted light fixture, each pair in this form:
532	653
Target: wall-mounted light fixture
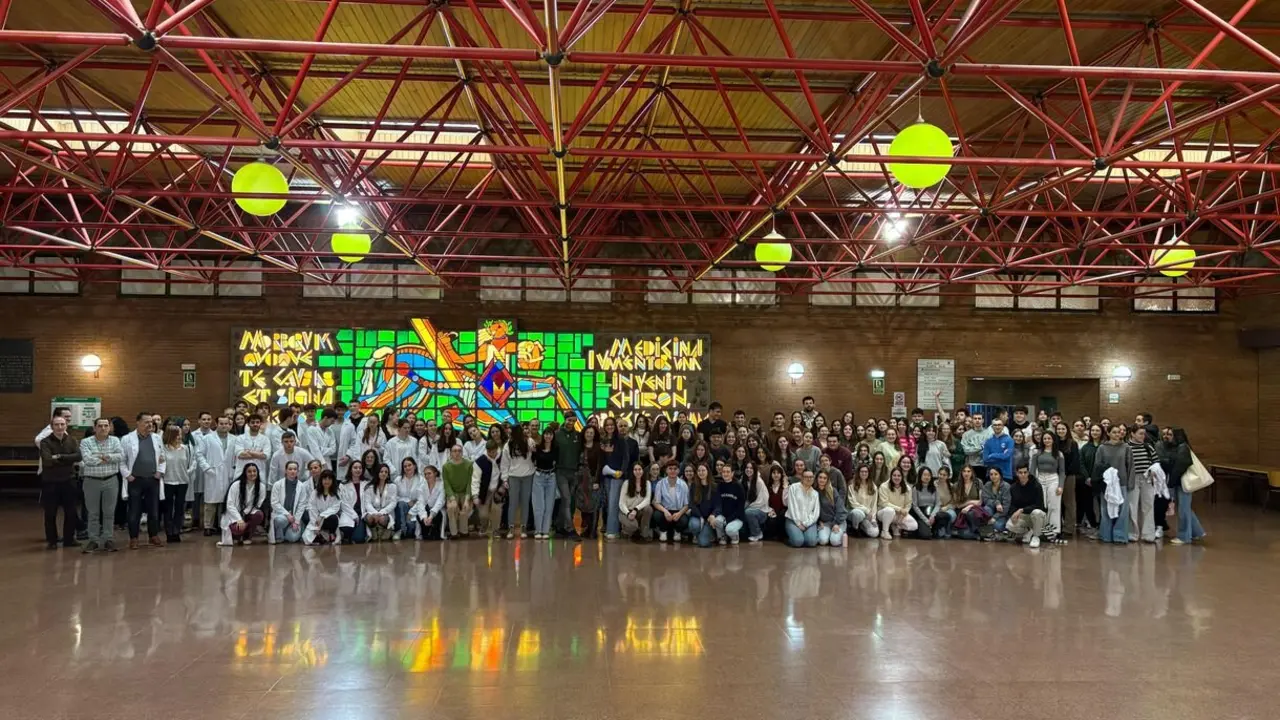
91	363
1121	372
795	371
877	374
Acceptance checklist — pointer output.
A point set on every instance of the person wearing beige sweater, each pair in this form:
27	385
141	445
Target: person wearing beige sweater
862	502
895	507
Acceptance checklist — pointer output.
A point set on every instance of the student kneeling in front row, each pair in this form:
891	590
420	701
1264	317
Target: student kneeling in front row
1027	516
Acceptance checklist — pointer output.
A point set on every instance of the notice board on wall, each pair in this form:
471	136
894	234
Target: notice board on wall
496	372
17	365
936	376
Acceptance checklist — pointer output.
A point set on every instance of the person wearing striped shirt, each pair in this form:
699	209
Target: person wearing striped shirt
100	457
1142	497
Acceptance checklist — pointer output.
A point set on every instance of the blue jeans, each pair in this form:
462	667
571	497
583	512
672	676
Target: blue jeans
801	538
611	517
701	531
755	522
1117	530
1189	527
943	522
284	533
730	529
401	514
544	501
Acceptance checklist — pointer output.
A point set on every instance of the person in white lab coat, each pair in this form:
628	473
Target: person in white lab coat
243	515
378	505
289	498
216	462
367	436
324	511
314	436
399	447
253	447
350	527
430	506
142	468
409	499
289	452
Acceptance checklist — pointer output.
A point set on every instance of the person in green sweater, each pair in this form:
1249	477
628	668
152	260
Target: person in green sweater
457	473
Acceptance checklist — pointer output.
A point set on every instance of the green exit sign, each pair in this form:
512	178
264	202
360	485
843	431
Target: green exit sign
877	386
188	379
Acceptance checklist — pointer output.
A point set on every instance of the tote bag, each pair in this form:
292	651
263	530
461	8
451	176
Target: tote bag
1197	476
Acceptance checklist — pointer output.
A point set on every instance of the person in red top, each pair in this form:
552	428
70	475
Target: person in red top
841	457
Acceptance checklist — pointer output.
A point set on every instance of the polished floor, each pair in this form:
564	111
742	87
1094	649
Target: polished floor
502	629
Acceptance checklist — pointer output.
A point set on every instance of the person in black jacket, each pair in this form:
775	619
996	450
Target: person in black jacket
1071	483
1026	504
729	508
1175	457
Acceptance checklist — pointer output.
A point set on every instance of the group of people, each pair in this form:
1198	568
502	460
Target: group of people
340	475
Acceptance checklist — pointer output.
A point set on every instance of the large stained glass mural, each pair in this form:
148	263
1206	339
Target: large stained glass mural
496	372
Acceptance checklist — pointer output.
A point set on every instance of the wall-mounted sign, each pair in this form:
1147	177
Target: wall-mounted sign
936	377
899	405
84	410
1113	398
493	372
877	386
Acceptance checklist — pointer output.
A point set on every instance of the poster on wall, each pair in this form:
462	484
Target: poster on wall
494	372
17	365
84	410
936	377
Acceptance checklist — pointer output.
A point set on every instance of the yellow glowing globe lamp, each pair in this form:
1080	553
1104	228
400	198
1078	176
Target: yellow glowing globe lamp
351	247
920	140
773	255
1174	261
256	178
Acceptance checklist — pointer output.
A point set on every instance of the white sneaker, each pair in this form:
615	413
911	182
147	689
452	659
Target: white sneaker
662	536
395	535
607	536
755	538
734	541
724	541
1035	542
1159	532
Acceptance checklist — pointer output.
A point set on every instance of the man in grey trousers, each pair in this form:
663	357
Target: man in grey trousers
568	456
100	457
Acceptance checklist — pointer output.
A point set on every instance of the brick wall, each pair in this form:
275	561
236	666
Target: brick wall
144	341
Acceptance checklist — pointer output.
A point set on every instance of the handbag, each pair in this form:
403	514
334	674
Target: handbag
1197	476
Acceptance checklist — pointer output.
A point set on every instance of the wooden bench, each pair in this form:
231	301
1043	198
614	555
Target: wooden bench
1253	474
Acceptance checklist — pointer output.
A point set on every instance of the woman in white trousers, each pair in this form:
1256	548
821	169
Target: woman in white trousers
1048	468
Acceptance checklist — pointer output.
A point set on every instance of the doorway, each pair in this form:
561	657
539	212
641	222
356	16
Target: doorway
1073	397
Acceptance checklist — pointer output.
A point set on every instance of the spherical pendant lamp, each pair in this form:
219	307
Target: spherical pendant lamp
774	254
259	177
351	247
921	140
1174	261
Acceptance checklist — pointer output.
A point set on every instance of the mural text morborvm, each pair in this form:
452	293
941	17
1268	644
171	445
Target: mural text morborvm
496	372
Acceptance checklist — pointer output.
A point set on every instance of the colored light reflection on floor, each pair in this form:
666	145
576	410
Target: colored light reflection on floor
297	649
674	637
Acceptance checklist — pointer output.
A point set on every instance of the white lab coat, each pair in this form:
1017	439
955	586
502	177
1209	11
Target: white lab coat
255	443
350	512
317	441
216	464
373	502
301	497
430	499
279	459
129	452
473	449
235	512
396	450
410	491
320	507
